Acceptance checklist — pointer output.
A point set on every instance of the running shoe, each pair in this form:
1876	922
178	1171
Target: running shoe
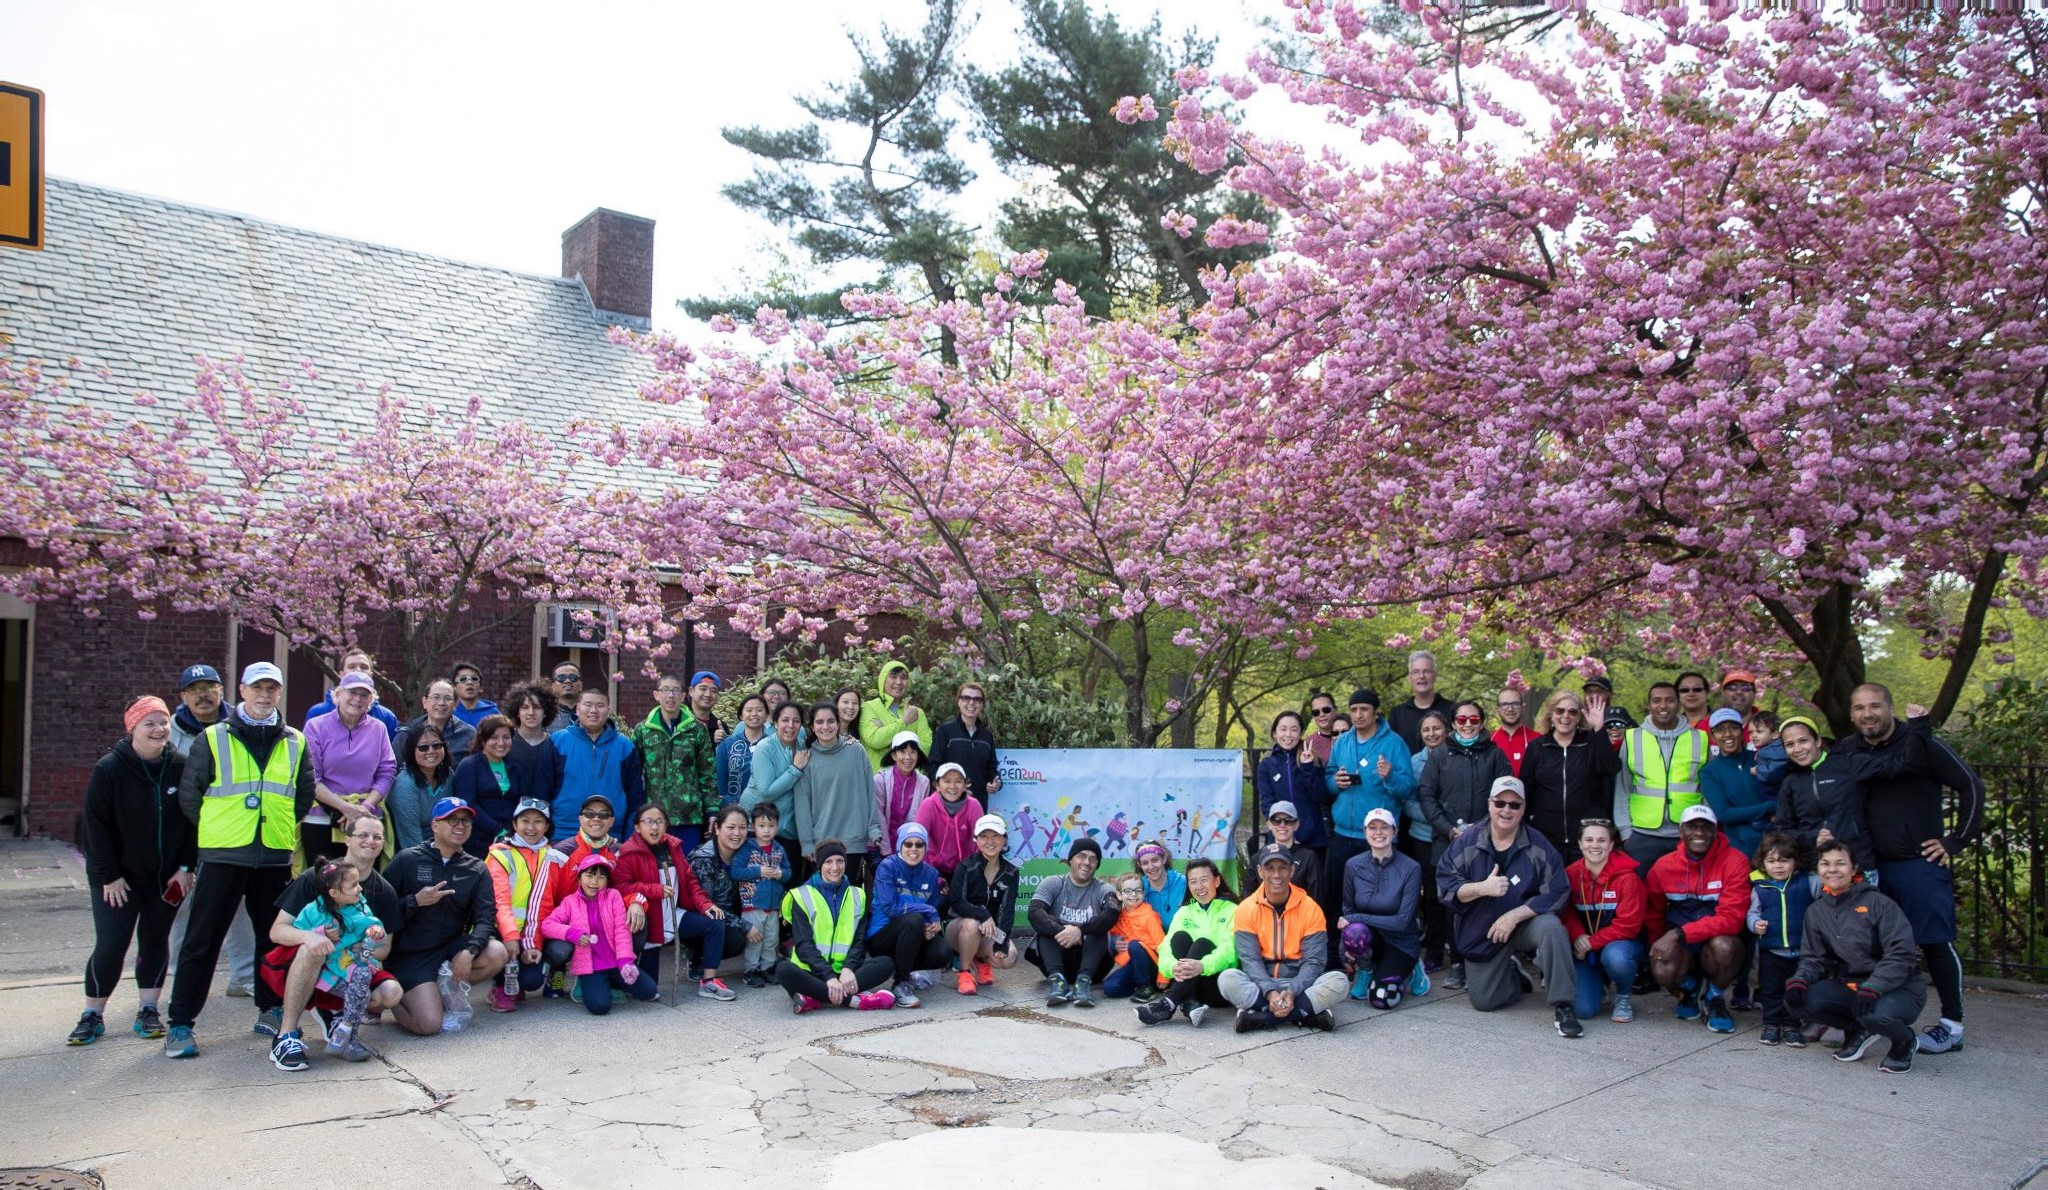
1057	992
964	984
1084	992
288	1053
1624	1008
270	1022
1856	1044
90	1028
874	1001
1568	1025
179	1043
1418	982
983	973
715	989
149	1022
904	995
1943	1037
1324	1021
1719	1019
500	1002
1195	1014
802	1003
1897	1061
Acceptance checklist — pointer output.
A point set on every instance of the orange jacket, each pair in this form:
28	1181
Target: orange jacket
1139	925
1279	935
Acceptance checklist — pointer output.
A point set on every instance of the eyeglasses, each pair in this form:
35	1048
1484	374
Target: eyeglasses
1508	706
1506	804
1468	719
1749	686
670	690
917	843
467	679
972	698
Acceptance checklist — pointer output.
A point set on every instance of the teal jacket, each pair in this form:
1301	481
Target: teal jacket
1362	760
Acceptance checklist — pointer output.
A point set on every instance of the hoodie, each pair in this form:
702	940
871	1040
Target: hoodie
133	829
1608	907
880	720
1361	759
1701	898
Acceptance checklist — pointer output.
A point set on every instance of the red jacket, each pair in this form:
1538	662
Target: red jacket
638	875
1608	907
1704	898
1514	744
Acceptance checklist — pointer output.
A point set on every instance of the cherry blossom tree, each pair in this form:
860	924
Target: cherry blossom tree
445	526
1727	331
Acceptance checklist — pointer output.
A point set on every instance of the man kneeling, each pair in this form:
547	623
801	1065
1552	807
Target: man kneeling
303	968
1504	882
1282	954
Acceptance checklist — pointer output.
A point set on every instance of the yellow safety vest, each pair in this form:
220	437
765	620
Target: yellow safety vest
1657	796
245	804
839	942
521	877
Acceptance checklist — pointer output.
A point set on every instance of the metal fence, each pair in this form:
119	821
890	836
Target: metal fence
2001	884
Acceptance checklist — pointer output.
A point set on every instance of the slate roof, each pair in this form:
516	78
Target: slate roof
141	286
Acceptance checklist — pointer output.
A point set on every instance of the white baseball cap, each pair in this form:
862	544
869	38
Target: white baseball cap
992	822
1698	814
948	767
1382	814
262	671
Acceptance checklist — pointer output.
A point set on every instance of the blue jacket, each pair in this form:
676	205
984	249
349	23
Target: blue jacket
378	711
1167	901
901	889
1730	788
1536	878
1770	768
608	765
1282	777
1781	906
732	761
771	777
1372	791
1386	897
746	866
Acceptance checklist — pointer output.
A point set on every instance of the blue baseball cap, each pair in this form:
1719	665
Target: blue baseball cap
197	673
451	805
702	674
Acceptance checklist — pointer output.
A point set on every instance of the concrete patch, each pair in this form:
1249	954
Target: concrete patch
1002	1048
1141	1161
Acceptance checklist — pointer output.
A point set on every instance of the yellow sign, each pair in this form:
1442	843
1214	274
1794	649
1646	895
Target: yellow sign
21	166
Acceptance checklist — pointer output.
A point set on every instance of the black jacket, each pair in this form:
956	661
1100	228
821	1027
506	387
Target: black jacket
1406	719
199	775
973	751
1533	867
134	828
1455	782
465	920
1905	806
1835	793
975	898
1568	785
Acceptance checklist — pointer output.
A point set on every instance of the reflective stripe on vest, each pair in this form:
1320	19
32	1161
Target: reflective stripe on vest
1657	796
227	819
523	885
836	946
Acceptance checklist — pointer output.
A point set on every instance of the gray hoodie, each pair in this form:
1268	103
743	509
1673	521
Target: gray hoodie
835	798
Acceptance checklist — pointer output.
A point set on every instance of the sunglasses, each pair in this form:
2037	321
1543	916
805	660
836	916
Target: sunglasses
913	843
468	680
1319	712
1564	711
568	679
1692	689
596	815
1500	803
430	747
1468	719
972	698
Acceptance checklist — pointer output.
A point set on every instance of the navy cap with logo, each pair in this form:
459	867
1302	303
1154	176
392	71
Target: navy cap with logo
197	673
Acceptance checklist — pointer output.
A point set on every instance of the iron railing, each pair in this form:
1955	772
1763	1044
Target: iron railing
2002	883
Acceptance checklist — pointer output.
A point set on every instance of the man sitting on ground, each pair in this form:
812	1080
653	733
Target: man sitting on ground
1283	948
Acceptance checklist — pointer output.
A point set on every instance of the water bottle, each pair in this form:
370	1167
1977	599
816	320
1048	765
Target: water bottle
511	984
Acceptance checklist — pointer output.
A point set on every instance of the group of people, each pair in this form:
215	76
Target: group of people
1729	858
842	851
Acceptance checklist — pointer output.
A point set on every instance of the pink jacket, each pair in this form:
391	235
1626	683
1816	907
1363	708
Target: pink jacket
885	784
571	920
952	834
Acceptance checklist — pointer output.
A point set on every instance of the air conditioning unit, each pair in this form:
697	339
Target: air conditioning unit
567	627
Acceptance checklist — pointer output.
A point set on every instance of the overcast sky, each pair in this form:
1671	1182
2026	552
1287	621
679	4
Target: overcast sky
474	131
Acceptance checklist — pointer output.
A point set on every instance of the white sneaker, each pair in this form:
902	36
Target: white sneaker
1942	1037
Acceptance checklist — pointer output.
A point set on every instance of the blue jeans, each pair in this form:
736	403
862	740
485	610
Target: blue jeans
709	933
1138	971
1613	963
597	990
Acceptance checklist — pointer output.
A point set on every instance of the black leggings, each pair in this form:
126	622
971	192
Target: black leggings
903	941
1830	1002
873	972
1435	920
1201	988
147	920
1071	962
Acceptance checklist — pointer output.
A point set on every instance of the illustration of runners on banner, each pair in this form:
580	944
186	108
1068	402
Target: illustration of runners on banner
1185	800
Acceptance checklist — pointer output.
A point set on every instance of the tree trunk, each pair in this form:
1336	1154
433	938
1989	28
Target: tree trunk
1180	689
1837	656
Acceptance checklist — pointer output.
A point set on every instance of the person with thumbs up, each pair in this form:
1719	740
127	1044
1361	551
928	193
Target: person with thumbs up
1505	883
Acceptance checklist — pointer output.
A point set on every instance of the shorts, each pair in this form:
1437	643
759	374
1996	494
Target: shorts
412	970
277	963
1926	893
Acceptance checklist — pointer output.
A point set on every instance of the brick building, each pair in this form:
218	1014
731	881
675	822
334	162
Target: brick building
141	286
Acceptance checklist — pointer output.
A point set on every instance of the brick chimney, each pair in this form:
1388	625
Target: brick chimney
613	255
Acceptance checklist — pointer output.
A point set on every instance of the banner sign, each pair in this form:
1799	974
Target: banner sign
1185	800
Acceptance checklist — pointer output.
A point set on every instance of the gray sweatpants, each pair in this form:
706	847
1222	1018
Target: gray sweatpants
1327	991
761	955
1490	983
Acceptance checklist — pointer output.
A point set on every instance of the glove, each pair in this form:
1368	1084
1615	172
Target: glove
1795	993
630	973
1865	1001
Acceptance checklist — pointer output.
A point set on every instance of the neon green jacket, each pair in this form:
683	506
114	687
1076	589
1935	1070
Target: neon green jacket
1214	922
879	721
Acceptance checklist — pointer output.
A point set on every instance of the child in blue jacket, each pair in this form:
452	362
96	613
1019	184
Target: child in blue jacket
1778	896
762	864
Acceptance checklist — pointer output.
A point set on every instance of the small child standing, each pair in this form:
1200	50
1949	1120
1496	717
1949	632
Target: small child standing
1135	938
762	864
592	921
352	964
1778	897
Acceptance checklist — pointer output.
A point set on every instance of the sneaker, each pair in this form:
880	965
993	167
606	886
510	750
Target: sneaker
1688	1007
802	1003
1793	1037
1361	985
1084	992
1058	993
1771	1035
983	973
90	1028
1155	1012
500	1002
1942	1037
1144	995
556	986
1856	1044
964	984
350	1048
754	979
149	1022
1454	980
179	1044
1195	1014
878	1001
1897	1061
241	991
576	990
1246	1020
1743	1001
1418	982
270	1022
904	995
1719	1019
1624	1008
715	989
288	1053
1568	1025
1324	1021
